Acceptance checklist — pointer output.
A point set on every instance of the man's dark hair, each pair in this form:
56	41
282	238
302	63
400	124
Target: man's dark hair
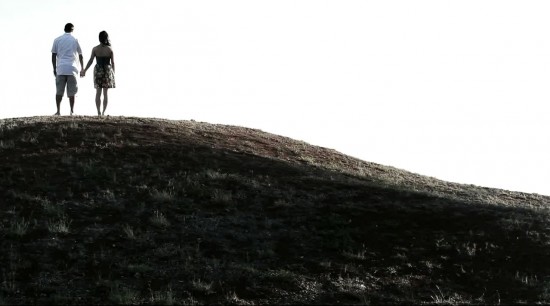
69	28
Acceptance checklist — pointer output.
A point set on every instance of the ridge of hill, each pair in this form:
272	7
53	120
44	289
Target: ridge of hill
142	210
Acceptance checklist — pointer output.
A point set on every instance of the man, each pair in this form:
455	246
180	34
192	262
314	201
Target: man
64	51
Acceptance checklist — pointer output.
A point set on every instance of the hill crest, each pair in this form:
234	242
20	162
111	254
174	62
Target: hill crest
271	146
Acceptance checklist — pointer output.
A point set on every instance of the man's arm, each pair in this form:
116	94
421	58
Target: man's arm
81	59
54	63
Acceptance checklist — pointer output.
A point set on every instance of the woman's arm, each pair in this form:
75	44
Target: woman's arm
113	59
90	61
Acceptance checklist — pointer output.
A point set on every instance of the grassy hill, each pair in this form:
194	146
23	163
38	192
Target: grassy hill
133	210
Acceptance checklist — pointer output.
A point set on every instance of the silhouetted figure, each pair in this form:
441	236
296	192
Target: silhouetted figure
104	70
64	51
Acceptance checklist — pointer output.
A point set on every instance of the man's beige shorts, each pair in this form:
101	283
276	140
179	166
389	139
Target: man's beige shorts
69	81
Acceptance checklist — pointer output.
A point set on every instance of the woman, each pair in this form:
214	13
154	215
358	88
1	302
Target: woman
104	71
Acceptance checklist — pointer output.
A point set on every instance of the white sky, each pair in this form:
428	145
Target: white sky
457	90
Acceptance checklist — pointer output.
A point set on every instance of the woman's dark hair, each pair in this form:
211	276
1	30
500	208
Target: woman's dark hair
104	38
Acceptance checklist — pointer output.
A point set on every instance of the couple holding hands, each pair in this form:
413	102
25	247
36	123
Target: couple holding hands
64	51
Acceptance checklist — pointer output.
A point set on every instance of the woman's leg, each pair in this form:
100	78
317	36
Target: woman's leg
105	99
98	100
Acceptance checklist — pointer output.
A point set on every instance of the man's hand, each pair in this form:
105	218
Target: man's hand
82	73
54	73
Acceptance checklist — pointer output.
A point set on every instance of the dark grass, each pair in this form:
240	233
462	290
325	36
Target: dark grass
128	210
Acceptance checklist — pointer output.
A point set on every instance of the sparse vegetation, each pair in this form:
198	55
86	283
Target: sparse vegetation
60	226
158	219
150	211
129	231
19	227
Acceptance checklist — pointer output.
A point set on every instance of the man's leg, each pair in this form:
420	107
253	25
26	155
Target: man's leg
58	103
72	89
60	83
71	101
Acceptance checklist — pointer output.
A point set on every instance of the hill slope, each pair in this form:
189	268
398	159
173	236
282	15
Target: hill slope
133	210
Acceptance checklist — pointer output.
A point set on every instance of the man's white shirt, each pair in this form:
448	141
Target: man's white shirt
67	49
